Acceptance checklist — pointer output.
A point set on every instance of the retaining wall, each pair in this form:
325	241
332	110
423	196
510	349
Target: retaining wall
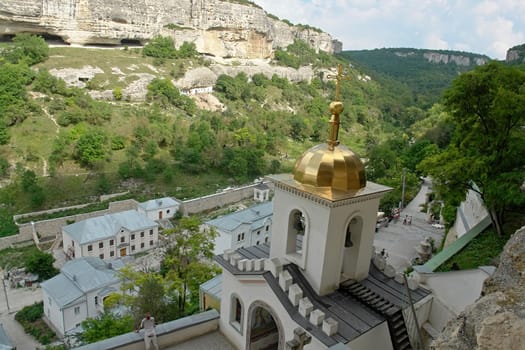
218	200
53	227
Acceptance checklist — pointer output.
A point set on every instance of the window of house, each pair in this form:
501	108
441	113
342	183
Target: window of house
150	243
242	236
150	232
265	239
101	245
111	253
142	234
132	247
122	239
236	314
142	245
267	228
257	242
77	310
111	242
133	236
96	300
167	211
73	243
90	247
101	256
258	232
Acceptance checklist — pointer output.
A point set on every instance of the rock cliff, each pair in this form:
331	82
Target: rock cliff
218	28
516	54
497	319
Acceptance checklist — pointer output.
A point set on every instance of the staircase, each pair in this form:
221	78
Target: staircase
393	314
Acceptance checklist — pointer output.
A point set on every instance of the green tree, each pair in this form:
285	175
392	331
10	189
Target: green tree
160	47
27	48
91	148
105	326
487	106
187	50
187	263
41	263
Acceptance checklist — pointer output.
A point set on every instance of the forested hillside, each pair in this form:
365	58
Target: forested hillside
423	74
59	146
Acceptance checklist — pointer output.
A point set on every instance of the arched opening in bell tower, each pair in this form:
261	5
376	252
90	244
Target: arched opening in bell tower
297	227
351	244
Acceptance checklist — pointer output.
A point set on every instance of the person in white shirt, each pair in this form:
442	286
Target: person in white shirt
150	336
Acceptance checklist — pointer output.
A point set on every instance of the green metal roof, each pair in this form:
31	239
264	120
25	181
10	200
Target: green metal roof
453	248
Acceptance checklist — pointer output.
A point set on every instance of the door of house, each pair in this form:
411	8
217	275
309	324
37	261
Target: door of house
122	251
160	215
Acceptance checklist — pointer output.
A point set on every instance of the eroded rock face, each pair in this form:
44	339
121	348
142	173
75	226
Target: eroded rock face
218	28
496	320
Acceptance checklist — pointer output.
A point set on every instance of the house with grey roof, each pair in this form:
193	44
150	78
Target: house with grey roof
244	228
78	292
159	209
110	236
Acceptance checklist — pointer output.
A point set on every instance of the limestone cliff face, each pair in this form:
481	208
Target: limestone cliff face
436	57
496	320
516	54
218	28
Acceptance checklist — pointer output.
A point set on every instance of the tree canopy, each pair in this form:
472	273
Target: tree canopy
487	106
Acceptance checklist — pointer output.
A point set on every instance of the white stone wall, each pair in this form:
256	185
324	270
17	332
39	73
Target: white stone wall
250	290
53	312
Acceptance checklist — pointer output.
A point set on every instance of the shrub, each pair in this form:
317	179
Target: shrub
160	47
30	317
117	93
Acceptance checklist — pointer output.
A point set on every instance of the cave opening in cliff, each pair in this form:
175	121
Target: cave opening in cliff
49	38
130	42
52	39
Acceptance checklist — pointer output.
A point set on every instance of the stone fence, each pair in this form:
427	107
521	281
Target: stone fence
52	228
218	200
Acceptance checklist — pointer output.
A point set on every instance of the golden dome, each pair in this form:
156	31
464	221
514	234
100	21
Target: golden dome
337	169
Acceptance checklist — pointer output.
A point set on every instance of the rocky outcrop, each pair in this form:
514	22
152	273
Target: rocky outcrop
496	320
218	28
436	57
516	54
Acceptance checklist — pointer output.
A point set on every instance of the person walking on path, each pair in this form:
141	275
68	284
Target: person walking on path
150	336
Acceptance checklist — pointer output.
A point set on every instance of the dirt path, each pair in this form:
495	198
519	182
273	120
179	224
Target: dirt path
18	298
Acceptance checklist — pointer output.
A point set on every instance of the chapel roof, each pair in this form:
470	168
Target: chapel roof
354	316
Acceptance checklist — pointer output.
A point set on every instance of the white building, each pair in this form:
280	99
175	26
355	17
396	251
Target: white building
315	284
78	292
245	228
261	193
159	209
110	236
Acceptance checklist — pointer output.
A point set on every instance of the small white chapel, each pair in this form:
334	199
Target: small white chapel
315	286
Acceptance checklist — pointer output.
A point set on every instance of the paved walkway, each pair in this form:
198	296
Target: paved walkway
18	298
400	241
211	341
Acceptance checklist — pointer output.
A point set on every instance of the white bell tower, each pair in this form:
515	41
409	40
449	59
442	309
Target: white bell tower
325	213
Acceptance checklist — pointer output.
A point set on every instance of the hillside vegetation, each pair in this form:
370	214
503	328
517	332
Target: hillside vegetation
415	69
59	146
